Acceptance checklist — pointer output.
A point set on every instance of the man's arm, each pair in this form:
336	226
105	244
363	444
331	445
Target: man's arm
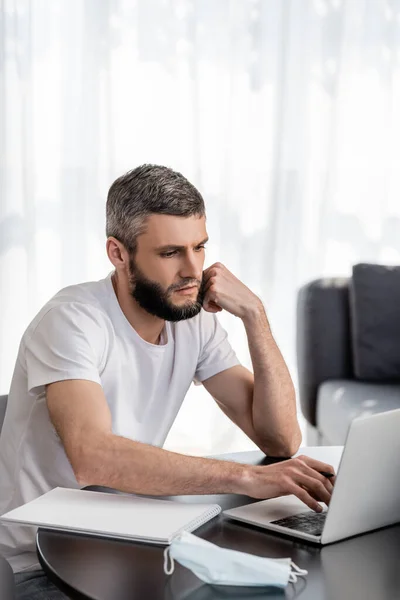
274	398
233	391
80	414
263	405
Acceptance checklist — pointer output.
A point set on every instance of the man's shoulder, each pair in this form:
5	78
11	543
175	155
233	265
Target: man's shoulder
89	292
82	302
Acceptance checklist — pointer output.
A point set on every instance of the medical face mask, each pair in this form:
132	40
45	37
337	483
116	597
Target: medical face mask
221	566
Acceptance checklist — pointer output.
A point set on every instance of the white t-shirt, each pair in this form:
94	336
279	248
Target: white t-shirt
82	333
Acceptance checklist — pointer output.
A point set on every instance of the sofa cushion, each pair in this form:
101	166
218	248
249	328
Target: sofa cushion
375	322
341	401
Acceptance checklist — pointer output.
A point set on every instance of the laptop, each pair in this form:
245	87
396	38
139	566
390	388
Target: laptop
366	495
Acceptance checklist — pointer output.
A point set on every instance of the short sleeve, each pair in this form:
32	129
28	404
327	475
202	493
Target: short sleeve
67	343
216	353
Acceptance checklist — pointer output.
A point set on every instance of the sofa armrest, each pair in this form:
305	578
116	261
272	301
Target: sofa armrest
323	338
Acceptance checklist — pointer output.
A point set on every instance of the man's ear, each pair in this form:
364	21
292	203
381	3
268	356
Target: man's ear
117	254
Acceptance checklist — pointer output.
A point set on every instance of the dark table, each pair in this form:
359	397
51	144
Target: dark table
366	567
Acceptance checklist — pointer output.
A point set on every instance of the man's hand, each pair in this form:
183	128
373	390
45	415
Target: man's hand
225	291
299	476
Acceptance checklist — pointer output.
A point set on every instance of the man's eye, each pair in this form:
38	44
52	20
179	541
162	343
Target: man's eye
173	252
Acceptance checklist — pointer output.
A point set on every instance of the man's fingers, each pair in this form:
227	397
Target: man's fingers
305	497
207	286
209	303
209	272
316	464
211	307
316	475
316	487
209	300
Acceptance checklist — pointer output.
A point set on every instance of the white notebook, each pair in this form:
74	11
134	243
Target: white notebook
120	516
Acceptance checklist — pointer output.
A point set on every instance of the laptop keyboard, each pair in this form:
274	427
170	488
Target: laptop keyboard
309	522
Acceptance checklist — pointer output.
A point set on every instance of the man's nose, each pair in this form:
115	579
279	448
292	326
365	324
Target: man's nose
191	268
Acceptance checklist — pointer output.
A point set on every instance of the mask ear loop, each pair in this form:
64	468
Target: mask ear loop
296	572
167	555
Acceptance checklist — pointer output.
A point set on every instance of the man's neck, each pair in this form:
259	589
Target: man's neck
146	325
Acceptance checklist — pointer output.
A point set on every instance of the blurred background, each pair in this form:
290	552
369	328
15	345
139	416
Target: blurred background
284	113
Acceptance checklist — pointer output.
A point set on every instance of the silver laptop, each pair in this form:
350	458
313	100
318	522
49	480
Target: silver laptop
366	495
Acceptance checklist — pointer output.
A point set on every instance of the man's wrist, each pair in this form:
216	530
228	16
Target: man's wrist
253	313
240	480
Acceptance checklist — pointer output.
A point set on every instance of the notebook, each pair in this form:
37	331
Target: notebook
120	516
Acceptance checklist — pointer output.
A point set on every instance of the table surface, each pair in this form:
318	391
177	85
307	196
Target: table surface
365	567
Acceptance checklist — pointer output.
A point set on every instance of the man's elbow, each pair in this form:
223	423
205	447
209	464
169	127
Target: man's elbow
283	447
82	471
83	461
87	474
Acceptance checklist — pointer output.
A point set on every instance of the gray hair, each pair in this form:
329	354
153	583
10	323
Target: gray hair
146	190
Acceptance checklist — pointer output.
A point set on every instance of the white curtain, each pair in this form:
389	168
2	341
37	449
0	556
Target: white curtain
284	113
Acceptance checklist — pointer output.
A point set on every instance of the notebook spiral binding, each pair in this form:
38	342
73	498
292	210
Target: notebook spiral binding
205	517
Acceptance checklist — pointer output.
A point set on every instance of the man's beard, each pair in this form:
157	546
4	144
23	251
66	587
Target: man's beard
152	298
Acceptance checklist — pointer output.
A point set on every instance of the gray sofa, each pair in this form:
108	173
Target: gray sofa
331	394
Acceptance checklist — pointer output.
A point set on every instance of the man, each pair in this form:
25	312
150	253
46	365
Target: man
103	369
